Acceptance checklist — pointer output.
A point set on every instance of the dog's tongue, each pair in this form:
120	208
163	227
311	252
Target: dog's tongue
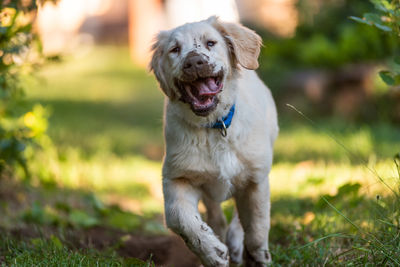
206	87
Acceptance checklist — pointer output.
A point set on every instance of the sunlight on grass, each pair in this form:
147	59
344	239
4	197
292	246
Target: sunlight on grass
132	181
336	141
312	179
106	126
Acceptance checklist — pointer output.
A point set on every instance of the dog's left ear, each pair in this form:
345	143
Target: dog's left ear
244	44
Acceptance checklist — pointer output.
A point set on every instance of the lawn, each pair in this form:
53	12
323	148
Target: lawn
332	181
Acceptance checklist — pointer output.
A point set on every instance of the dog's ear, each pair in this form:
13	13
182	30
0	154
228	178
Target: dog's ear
156	63
244	44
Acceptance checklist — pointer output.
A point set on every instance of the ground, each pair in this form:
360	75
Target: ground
95	196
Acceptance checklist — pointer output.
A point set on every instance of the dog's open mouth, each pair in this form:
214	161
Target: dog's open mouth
201	93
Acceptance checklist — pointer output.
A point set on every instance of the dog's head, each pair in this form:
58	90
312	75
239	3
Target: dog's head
193	62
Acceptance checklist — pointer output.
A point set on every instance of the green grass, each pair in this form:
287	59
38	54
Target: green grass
110	104
106	132
52	252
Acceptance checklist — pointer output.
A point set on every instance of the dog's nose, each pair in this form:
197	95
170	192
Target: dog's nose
194	63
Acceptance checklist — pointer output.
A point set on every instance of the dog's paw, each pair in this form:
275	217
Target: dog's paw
258	258
236	254
234	241
216	255
235	245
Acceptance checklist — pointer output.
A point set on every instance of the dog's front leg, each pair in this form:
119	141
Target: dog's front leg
182	216
253	205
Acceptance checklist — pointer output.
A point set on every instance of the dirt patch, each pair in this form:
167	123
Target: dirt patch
163	250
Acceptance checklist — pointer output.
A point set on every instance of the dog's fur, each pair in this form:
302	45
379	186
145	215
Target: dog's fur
201	164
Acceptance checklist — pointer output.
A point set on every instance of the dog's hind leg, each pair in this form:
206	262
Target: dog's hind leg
253	205
234	240
183	217
215	217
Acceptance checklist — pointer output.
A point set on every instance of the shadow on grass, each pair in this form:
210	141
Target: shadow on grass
335	140
119	128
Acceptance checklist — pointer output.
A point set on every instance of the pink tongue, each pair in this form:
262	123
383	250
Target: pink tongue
207	87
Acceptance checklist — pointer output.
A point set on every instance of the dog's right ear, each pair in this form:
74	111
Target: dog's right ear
156	64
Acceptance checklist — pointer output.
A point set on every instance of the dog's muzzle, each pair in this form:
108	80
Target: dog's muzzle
199	84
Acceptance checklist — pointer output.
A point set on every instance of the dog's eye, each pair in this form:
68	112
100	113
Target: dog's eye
211	43
175	49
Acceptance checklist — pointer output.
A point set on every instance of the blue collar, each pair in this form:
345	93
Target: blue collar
225	122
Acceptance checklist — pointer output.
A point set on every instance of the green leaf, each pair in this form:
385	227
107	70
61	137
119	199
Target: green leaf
383	5
35	214
80	218
372	17
62	206
383	27
360	20
56	242
37	242
123	220
348	188
397	79
397	60
98	205
155	227
387	77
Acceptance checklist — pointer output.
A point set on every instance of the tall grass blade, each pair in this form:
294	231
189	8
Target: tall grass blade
323	238
381	248
373	171
341	214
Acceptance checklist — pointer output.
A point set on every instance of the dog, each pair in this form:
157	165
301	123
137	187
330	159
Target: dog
220	125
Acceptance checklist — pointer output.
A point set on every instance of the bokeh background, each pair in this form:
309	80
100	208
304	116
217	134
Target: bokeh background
86	187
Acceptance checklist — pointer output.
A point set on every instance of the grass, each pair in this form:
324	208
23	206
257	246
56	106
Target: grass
51	252
112	105
102	169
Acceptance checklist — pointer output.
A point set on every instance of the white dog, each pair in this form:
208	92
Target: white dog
220	126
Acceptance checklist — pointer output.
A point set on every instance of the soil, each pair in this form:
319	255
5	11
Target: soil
163	250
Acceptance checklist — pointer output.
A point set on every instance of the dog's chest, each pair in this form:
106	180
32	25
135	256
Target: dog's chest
207	157
222	156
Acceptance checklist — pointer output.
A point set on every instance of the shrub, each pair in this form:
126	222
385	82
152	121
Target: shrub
19	56
386	17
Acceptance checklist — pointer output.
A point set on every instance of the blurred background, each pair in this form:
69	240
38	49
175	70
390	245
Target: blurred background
81	128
